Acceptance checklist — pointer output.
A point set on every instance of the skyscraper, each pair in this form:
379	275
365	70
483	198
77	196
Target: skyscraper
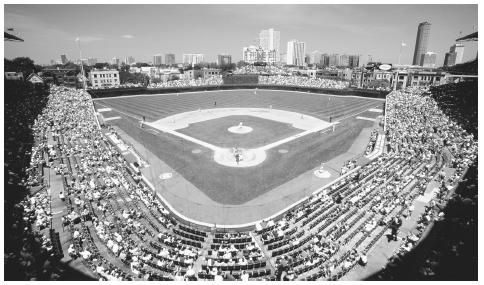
421	44
450	58
354	61
115	61
157	59
271	40
224	59
333	60
170	59
429	59
324	60
458	48
307	59
295	52
344	60
192	58
315	57
129	60
63	58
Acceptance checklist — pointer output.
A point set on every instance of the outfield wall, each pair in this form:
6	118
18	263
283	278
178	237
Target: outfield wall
115	92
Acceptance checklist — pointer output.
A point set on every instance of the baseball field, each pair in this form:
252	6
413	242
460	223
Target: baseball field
295	131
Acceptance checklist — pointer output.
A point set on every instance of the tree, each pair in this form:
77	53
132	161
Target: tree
101	65
21	64
228	67
137	78
87	69
241	63
141	64
124	68
213	65
155	80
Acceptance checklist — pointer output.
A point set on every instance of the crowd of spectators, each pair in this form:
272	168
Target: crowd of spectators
372	142
96	178
459	102
416	126
27	204
449	249
348	165
302	81
215	80
125	85
267	70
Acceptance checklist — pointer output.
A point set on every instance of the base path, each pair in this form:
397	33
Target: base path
183	120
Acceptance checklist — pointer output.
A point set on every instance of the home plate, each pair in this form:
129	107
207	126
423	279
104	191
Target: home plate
375	110
166	175
104	110
283	151
196	151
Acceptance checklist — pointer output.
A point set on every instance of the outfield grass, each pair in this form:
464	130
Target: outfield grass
236	186
154	107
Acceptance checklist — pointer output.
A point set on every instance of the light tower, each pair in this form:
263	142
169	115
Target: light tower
78	40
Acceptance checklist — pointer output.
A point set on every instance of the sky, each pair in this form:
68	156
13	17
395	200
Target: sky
141	31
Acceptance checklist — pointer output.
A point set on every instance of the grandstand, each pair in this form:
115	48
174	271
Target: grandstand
240	79
113	221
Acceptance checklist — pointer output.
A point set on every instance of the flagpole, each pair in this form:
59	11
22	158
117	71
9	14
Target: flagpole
400	54
82	66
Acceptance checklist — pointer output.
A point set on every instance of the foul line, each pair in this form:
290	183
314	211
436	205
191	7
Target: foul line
291	138
352	115
121	112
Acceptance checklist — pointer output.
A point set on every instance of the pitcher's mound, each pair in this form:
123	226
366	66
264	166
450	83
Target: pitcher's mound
240	129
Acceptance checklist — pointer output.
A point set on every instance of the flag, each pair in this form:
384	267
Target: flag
404	44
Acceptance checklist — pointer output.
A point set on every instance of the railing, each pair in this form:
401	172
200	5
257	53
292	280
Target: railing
115	92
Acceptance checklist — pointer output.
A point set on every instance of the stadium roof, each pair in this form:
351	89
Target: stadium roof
471	37
10	37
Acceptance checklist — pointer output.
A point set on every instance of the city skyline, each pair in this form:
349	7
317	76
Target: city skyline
344	29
